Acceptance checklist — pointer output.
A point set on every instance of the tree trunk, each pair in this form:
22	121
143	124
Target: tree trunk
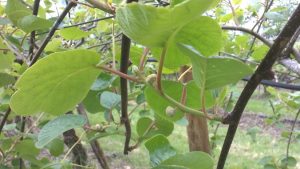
197	129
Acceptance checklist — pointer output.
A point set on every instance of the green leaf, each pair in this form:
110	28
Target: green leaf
56	127
191	160
147	25
260	52
30	23
169	167
6	79
103	81
92	102
205	35
16	10
159	149
160	105
54	45
151	26
73	33
6	57
110	100
143	125
27	147
159	126
56	83
289	161
211	73
56	147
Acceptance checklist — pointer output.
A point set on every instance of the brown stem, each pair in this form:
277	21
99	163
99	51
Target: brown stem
261	72
4	119
35	11
121	74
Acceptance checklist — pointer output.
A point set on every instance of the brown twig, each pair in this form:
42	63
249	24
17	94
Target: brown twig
261	72
4	119
51	32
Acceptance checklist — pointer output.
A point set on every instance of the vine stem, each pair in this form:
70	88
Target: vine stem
121	74
261	72
160	68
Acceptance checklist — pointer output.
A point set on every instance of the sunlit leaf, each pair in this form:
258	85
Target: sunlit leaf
56	83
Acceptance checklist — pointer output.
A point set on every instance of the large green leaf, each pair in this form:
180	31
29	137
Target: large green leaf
191	160
151	26
146	25
56	83
56	127
16	10
159	149
211	73
205	35
30	23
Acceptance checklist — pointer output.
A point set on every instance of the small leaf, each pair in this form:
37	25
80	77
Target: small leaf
73	33
56	127
212	73
27	147
30	23
191	160
56	83
109	100
260	52
159	149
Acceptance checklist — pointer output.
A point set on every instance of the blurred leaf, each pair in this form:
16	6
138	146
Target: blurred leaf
27	147
109	100
6	79
289	161
16	10
191	160
30	23
260	52
56	147
57	126
73	33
